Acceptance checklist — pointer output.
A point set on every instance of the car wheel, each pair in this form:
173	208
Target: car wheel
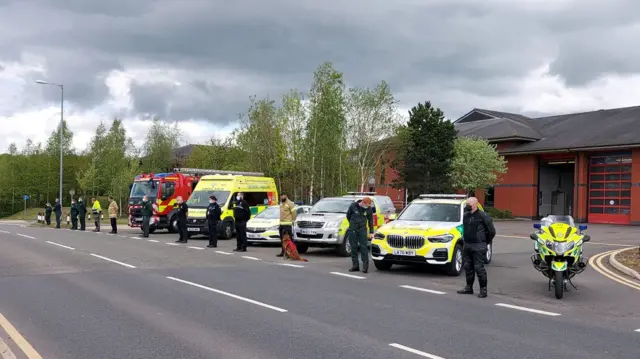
227	230
455	267
382	265
344	249
302	247
489	253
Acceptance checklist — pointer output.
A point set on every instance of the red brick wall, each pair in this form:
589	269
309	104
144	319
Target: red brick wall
518	188
581	190
635	187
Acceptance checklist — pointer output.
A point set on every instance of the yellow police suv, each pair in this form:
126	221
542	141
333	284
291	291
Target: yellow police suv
428	231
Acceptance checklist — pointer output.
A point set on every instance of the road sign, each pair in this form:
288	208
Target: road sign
72	192
26	197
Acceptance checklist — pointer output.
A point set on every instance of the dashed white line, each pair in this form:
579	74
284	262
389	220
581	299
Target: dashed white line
524	309
227	253
1	231
112	261
60	245
25	236
291	265
152	240
122	236
637	330
229	294
415	351
422	289
252	258
173	244
348	275
135	237
192	247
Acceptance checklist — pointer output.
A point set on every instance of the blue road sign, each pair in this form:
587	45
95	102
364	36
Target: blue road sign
26	197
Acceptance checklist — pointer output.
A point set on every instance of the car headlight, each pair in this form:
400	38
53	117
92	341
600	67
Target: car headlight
445	238
333	224
378	235
274	228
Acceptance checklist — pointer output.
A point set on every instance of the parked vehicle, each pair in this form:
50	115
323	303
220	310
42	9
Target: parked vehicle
558	249
265	226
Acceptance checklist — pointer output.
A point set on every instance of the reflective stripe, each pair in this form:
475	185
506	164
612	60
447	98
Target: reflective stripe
286	223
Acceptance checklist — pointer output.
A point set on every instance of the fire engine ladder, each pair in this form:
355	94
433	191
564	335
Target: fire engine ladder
203	172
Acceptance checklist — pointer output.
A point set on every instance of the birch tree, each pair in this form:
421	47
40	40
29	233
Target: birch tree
293	118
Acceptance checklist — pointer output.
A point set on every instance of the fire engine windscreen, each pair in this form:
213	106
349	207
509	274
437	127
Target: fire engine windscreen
200	199
144	188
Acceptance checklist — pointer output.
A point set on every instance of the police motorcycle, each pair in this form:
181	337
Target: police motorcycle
558	251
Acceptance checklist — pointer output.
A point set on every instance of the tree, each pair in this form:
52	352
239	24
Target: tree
294	119
426	149
371	121
476	164
158	148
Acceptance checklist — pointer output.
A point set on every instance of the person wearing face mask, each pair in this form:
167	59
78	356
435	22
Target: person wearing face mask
213	218
241	214
287	217
183	211
478	232
360	217
147	212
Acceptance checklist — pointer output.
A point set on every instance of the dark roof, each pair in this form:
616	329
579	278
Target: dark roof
596	129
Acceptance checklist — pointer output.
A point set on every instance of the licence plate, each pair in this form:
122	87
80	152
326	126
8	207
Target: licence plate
138	219
193	229
309	232
253	235
399	252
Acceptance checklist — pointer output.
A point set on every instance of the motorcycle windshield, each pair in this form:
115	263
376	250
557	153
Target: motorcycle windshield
549	220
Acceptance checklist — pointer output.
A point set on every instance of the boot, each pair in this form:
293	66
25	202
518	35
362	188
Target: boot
354	269
365	267
466	290
483	292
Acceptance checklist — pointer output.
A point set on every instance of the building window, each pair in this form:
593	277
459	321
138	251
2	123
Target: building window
489	197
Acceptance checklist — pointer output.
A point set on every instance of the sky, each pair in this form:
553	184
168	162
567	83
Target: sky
199	61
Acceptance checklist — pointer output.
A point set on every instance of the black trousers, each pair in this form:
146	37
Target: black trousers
213	233
74	222
145	226
285	229
58	220
241	235
47	218
83	223
182	229
474	258
114	225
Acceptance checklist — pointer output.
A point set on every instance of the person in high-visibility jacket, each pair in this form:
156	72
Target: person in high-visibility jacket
96	209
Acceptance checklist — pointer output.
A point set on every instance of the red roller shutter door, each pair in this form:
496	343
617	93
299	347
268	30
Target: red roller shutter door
610	189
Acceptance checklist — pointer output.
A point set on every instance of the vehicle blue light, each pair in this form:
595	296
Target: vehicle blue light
537	226
582	227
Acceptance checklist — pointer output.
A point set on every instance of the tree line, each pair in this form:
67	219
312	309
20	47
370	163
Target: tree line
321	142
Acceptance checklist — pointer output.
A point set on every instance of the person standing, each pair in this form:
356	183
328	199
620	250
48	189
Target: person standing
113	215
57	208
183	211
241	214
213	218
73	212
47	213
96	210
82	214
360	217
147	212
478	231
287	217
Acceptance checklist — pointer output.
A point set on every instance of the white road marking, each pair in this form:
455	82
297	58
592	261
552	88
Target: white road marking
152	240
422	289
524	309
60	245
173	244
4	231
192	247
122	236
229	294
135	237
291	265
415	351
252	258
221	252
25	236
637	330
348	275
113	261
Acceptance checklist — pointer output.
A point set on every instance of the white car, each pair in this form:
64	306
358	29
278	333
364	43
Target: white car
265	226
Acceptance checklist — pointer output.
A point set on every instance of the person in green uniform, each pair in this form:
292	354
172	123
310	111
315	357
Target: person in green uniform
360	217
147	212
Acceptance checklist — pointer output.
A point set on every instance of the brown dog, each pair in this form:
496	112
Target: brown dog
290	249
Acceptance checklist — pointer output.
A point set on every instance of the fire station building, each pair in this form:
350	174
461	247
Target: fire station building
585	164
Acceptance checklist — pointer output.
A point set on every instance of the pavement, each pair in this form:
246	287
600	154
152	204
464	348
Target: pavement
67	294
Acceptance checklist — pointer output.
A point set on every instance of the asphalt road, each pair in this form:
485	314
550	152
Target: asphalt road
86	295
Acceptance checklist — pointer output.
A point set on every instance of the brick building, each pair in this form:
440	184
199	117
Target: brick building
584	164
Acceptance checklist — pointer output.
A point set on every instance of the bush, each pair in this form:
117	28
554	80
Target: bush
498	214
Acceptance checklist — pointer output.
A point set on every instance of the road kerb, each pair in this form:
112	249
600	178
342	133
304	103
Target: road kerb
596	263
621	267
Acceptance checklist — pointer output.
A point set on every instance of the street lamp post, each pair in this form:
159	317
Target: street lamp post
61	127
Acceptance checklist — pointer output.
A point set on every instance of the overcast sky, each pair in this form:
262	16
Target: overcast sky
198	61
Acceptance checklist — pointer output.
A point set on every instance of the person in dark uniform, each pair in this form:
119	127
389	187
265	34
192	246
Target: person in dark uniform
57	208
213	218
360	217
74	214
82	214
241	214
183	211
478	231
47	213
147	212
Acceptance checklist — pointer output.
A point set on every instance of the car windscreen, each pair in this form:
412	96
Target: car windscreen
332	205
269	213
144	188
431	212
200	199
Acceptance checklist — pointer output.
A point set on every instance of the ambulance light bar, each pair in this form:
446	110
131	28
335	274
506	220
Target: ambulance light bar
198	171
361	193
449	196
